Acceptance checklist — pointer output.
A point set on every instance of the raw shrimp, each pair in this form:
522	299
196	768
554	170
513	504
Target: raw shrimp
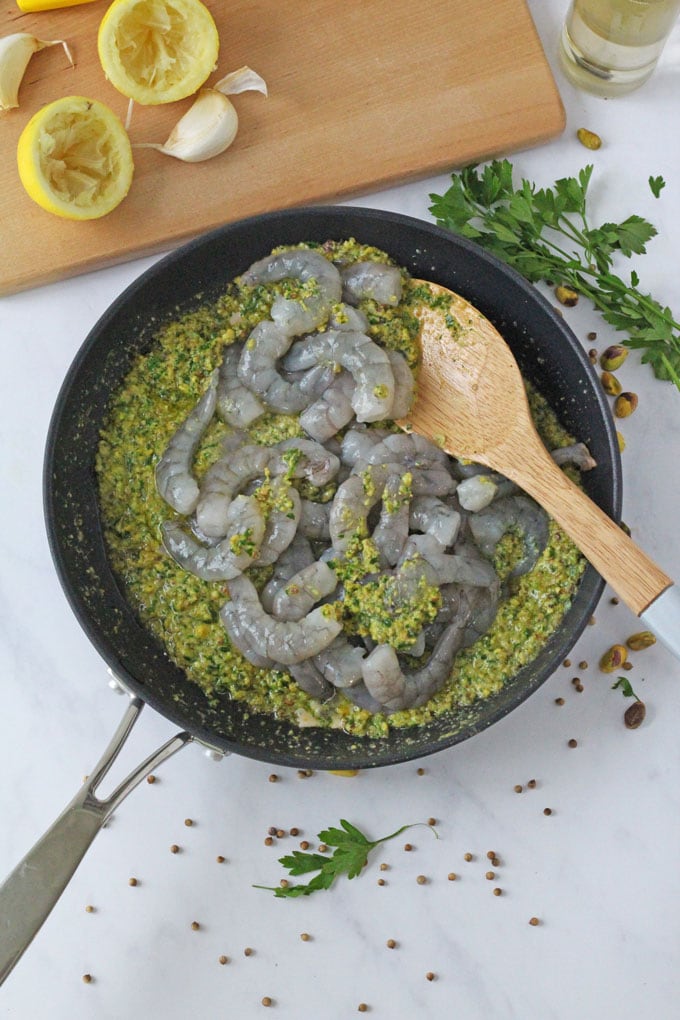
357	442
291	316
332	411
344	316
395	690
369	364
315	520
353	501
221	562
577	454
391	531
426	463
304	589
257	370
284	642
174	480
237	405
373	280
434	517
222	482
281	526
463	566
311	680
341	662
404	385
293	559
512	513
315	463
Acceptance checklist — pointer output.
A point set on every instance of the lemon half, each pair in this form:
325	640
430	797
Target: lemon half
75	159
157	51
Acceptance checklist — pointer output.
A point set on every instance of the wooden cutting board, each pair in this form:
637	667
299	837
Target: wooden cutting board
361	96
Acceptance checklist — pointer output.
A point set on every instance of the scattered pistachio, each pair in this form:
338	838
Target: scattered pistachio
566	296
643	639
634	715
588	138
625	404
613	357
613	658
610	384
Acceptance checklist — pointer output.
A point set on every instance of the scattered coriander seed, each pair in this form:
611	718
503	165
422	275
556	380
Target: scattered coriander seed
592	621
490	875
559	701
89	909
593	355
151	779
284	883
174	849
188	822
362	1008
220	859
223	959
495	861
132	881
295	831
305	936
304	844
421	880
518	788
420	772
273	778
592	336
533	921
195	926
384	867
302	774
567	663
628	665
266	1001
280	833
391	944
497	891
614	601
248	951
432	821
452	876
430	976
583	664
87	978
547	811
381	881
322	848
408	847
532	784
572	743
271	831
579	688
268	840
468	857
491	854
575	680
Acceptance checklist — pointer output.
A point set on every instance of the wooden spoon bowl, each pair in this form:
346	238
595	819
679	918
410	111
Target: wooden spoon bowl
471	400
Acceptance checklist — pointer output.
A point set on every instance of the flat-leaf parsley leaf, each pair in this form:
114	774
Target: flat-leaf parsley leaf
349	857
545	234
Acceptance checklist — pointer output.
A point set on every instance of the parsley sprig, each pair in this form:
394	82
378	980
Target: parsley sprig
624	685
349	857
545	234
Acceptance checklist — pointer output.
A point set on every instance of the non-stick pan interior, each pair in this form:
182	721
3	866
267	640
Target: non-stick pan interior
548	353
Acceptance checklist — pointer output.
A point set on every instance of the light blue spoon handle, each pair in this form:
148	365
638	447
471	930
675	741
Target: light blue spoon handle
662	617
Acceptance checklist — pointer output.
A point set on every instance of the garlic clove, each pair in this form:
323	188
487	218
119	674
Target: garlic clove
242	80
15	52
207	128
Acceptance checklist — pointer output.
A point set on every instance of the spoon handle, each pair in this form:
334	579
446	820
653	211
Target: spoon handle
631	573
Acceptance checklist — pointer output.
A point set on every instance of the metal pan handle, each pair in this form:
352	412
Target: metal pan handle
30	892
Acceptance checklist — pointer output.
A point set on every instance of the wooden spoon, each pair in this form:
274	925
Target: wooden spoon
472	402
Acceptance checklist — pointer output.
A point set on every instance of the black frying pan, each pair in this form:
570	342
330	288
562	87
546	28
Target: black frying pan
549	355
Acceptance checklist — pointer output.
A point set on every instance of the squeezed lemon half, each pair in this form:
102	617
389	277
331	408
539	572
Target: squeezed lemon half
157	51
75	159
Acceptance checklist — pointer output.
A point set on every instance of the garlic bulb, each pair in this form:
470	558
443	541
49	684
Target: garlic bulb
15	52
209	126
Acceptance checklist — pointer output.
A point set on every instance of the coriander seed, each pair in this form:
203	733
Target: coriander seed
195	926
572	743
223	959
533	921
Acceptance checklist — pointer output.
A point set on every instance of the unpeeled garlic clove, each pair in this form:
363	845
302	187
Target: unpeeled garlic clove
15	52
210	125
206	129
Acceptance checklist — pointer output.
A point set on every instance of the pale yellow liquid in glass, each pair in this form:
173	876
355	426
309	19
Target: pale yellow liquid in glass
612	46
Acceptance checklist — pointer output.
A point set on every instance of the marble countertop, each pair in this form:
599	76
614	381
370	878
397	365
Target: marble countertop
599	872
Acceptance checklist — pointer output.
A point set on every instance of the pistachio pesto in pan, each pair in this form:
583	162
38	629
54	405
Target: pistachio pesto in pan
290	546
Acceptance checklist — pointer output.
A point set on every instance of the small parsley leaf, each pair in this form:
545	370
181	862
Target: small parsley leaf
349	858
656	184
624	685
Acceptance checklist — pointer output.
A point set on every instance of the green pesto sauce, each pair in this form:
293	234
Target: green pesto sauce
182	611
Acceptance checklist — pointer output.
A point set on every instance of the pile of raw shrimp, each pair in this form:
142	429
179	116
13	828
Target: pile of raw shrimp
432	520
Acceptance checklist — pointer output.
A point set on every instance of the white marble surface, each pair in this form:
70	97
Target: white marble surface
601	873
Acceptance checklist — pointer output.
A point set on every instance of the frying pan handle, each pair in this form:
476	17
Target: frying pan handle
28	895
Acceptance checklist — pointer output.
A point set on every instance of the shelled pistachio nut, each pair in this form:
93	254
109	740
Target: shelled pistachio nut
613	658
